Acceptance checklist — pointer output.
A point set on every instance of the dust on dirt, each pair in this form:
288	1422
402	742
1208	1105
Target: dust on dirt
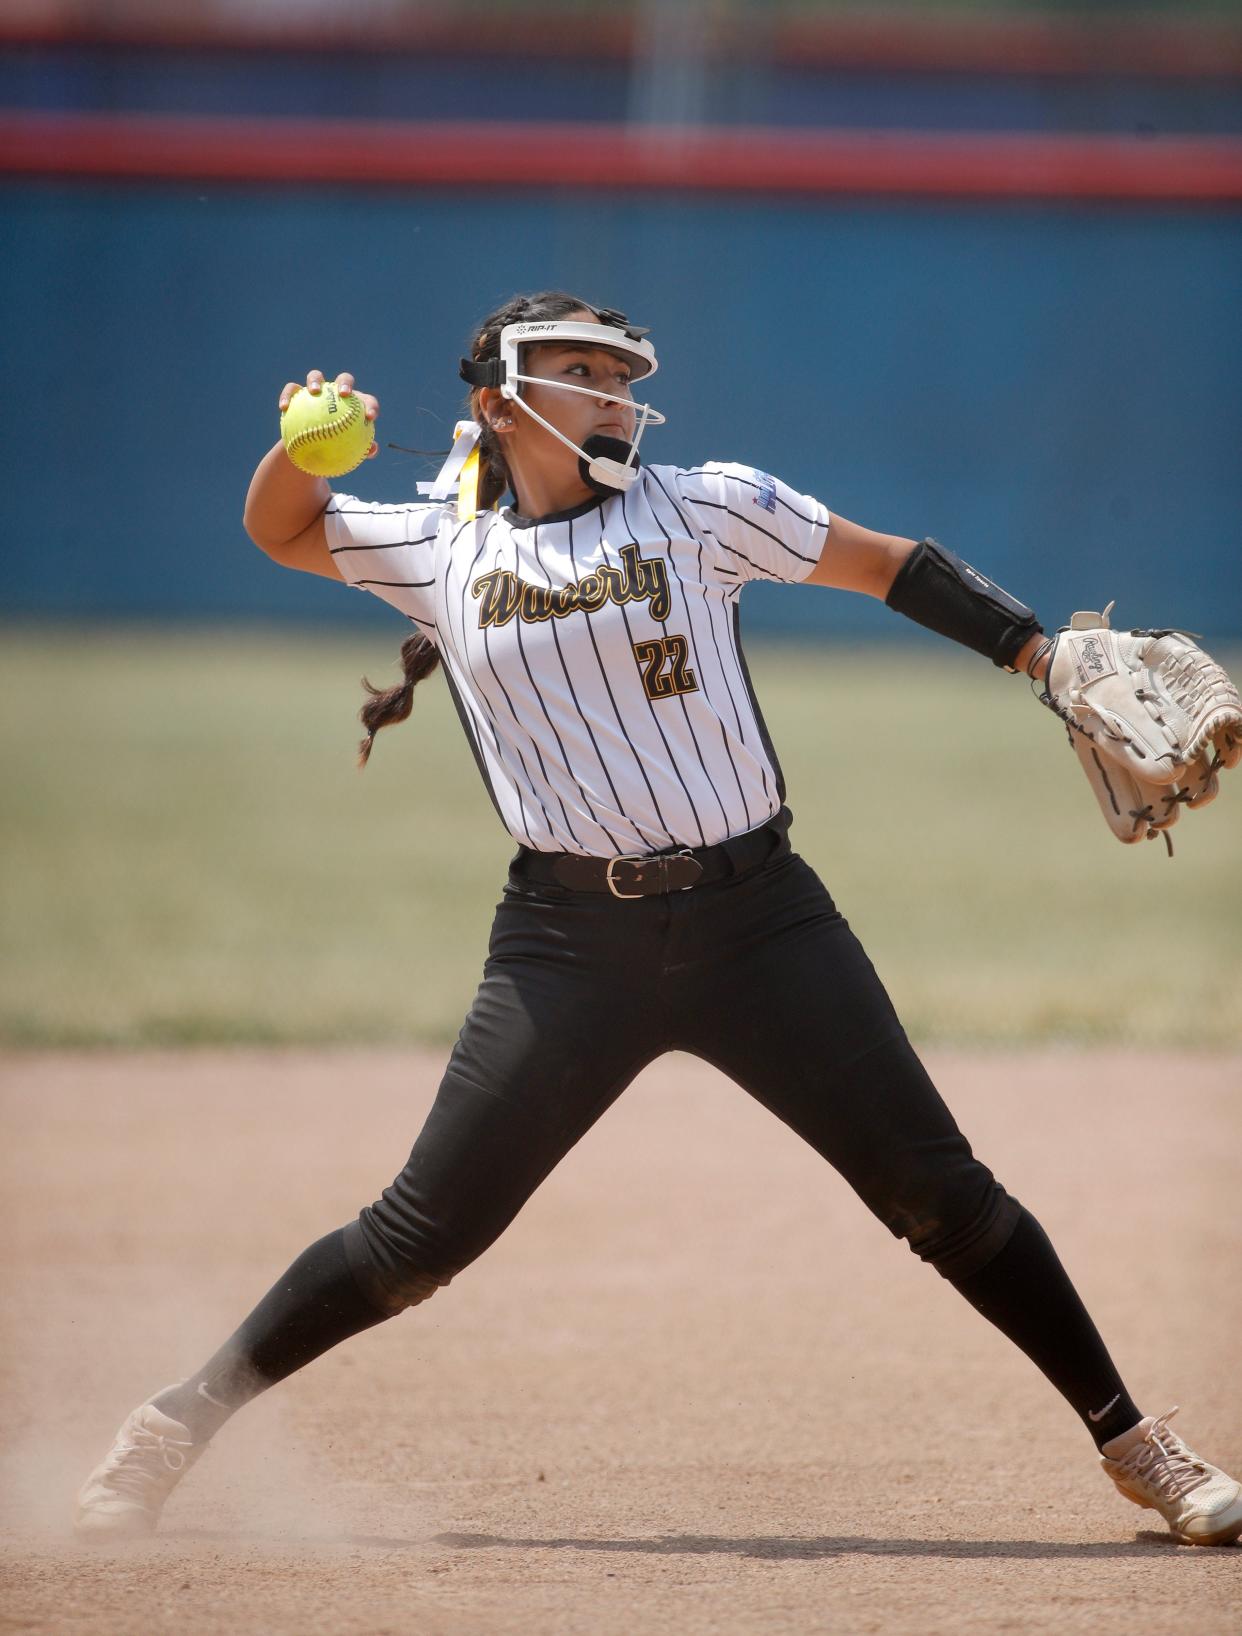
695	1388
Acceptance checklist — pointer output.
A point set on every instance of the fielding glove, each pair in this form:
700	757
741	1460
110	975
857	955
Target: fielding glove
1151	717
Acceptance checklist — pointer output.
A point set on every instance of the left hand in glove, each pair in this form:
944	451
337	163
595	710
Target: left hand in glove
1151	717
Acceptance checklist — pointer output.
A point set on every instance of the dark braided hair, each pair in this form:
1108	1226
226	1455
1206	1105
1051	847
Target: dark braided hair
418	654
385	706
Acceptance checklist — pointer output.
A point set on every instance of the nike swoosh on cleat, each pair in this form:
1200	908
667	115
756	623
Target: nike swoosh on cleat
1091	1414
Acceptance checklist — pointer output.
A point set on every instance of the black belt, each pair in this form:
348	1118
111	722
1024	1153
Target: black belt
641	875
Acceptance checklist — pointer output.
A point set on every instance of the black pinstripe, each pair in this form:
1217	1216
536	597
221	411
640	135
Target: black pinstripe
672	759
669	838
521	646
399	584
732	477
556	642
762	725
479	693
741	517
391	545
698	750
751	819
465	661
566	825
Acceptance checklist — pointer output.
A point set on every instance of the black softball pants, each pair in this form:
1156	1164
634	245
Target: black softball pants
757	974
761	976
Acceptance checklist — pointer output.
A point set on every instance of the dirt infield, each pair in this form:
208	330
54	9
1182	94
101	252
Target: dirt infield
695	1388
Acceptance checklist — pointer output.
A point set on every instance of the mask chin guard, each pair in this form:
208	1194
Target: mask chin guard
608	465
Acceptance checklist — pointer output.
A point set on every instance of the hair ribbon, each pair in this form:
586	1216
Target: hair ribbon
460	472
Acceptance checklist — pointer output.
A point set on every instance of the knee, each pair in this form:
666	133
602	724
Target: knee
959	1222
391	1274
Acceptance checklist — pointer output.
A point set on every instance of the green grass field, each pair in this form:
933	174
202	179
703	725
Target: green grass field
191	857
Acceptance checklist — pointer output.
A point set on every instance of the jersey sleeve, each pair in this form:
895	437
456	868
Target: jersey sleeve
756	526
389	550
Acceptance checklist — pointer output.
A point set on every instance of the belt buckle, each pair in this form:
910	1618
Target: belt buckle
625	857
660	860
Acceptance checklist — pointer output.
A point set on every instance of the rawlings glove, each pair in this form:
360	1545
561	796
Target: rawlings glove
1151	718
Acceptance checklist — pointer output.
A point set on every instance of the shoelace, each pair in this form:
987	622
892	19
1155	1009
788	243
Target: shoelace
131	1465
1164	1461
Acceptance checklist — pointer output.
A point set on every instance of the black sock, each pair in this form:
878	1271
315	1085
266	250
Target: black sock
313	1307
1027	1294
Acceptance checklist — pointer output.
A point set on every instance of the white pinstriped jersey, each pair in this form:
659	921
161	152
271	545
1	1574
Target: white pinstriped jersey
594	656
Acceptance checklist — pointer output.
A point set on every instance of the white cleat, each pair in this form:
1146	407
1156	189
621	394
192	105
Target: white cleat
1202	1505
122	1498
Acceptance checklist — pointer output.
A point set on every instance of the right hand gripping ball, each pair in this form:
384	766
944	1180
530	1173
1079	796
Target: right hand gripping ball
325	433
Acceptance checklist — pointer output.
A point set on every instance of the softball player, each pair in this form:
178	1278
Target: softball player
589	637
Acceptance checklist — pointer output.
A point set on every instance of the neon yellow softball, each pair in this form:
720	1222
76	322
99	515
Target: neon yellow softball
325	433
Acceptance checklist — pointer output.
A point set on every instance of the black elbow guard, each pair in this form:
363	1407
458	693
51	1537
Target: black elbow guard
935	588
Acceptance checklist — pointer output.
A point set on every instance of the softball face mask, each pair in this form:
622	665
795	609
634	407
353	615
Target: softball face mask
607	464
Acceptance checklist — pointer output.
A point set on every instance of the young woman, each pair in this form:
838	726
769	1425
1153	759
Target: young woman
589	637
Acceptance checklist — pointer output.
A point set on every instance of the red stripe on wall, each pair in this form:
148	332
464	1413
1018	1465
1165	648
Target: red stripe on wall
728	159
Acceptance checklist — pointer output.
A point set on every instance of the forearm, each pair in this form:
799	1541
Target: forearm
282	501
939	591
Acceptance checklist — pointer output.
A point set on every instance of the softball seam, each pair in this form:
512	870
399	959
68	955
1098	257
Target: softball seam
327	433
320	434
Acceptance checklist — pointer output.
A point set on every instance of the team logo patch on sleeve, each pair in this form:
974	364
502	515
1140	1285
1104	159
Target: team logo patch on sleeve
766	495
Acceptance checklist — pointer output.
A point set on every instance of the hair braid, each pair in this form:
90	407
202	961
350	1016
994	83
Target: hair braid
388	705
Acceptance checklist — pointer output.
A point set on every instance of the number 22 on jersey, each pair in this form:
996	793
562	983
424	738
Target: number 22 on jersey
664	668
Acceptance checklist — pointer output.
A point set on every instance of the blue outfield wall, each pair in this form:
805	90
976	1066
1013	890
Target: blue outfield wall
745	89
1055	391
